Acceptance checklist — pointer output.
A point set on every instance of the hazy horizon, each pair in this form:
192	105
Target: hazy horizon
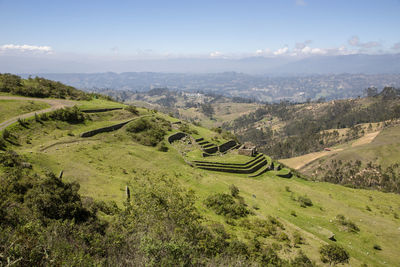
93	36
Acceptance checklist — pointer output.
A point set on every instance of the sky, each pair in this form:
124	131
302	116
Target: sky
203	28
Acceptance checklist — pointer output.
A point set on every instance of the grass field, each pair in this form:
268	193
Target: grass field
12	108
104	165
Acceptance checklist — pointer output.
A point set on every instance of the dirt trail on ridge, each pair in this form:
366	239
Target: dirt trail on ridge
54	103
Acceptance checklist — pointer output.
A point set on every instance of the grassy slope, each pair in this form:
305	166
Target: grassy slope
12	108
384	150
105	163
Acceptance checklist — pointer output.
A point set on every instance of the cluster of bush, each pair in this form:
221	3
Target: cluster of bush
348	225
44	221
39	87
148	131
357	175
71	115
229	205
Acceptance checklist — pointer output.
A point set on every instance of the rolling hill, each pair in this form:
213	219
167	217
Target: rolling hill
242	220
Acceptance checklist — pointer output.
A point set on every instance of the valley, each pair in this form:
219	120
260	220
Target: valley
276	218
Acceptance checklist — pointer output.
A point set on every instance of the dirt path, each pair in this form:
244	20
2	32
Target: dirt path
299	162
54	103
366	139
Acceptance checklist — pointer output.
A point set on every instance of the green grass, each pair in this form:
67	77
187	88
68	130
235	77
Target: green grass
98	103
105	163
12	108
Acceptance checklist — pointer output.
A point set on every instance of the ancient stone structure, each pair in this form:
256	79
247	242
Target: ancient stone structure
247	149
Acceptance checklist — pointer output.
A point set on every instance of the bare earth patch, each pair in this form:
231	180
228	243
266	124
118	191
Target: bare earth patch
299	162
366	139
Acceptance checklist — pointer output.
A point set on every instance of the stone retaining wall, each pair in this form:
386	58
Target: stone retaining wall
233	164
104	129
176	136
211	150
100	110
288	175
226	146
230	166
245	171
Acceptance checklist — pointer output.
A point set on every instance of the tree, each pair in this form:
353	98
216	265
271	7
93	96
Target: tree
207	109
234	190
334	254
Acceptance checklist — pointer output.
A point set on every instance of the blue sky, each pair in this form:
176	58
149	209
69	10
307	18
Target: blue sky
202	28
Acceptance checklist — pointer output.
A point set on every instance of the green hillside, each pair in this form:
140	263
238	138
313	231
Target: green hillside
269	219
11	108
372	165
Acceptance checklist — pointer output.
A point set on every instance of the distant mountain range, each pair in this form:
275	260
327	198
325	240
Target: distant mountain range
357	63
267	88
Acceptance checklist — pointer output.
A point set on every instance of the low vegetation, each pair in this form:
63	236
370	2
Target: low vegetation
355	174
334	254
148	131
45	221
229	205
39	87
175	214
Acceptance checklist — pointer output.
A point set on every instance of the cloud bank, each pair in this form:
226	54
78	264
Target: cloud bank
26	48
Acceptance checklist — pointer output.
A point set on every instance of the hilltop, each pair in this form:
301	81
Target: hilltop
70	189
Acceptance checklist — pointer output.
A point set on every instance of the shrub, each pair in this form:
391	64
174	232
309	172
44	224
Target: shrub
184	127
302	260
22	122
3	144
224	204
293	213
6	134
163	147
282	236
234	190
333	253
347	224
37	119
377	247
148	131
71	115
304	201
297	238
132	109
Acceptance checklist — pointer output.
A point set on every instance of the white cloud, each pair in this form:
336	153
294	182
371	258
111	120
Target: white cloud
396	46
355	41
261	52
215	54
281	51
26	48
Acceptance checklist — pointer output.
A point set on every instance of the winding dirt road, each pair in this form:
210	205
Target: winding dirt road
54	103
